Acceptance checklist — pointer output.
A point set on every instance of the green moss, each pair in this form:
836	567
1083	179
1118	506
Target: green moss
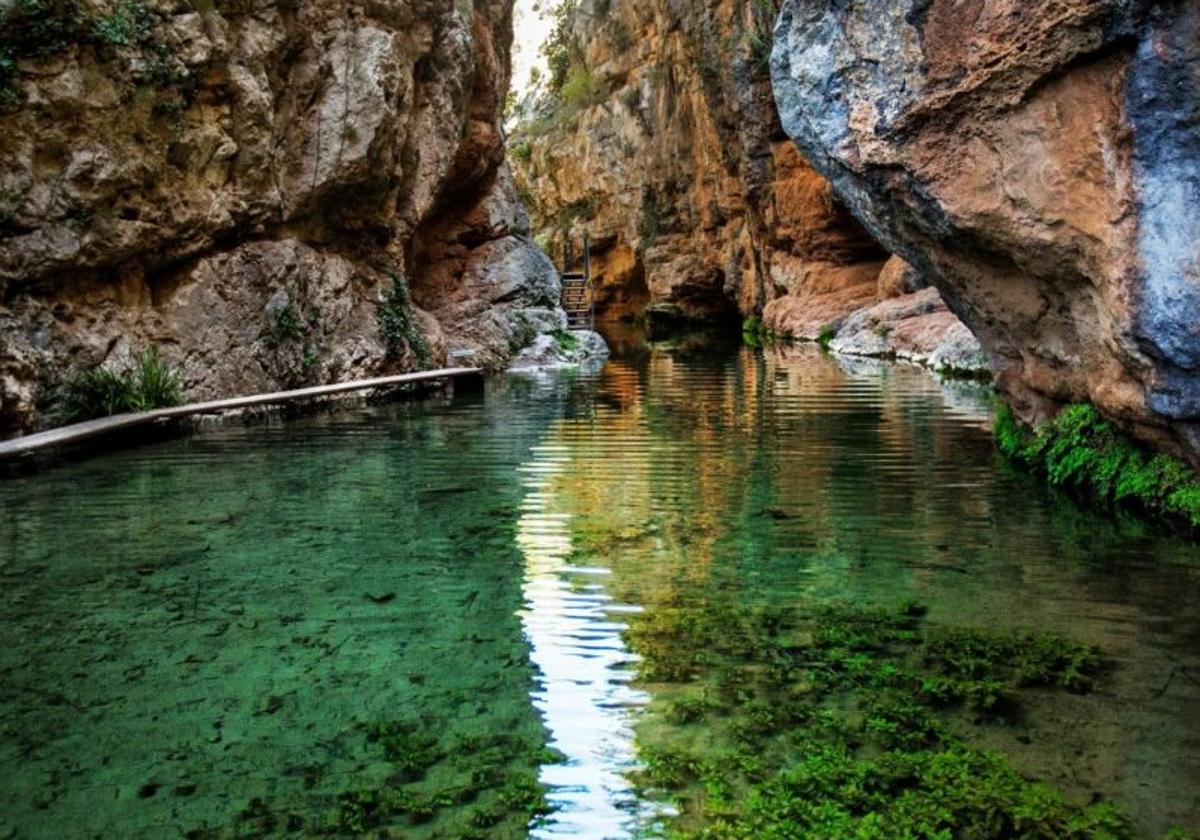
398	325
148	384
1082	452
843	721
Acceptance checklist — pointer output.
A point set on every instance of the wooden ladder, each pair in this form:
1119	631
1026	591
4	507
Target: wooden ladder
578	293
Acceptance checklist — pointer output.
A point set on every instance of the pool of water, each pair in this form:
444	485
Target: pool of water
414	620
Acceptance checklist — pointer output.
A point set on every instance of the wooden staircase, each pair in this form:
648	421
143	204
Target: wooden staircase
578	293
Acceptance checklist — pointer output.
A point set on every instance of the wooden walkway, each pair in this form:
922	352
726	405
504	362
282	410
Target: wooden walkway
78	432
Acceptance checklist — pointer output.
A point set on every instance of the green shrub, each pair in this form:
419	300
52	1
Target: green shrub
399	327
522	152
1082	452
826	336
566	342
130	23
580	89
560	49
100	392
755	332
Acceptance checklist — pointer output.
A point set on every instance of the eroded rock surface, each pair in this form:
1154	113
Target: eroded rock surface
239	185
1039	163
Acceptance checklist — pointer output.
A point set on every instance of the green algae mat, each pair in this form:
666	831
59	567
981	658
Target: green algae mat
736	594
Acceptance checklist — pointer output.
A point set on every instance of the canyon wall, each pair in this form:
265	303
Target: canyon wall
1039	163
250	187
664	144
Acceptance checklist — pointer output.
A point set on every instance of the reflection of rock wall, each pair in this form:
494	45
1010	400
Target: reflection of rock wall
1040	163
237	188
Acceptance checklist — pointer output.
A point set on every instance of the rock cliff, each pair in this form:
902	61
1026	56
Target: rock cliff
1040	164
665	146
252	187
663	143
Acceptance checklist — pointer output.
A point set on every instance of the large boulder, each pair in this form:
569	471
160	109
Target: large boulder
1040	164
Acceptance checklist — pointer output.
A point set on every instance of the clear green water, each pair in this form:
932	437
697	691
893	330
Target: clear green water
269	631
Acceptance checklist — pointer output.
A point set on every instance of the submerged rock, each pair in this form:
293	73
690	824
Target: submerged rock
1040	164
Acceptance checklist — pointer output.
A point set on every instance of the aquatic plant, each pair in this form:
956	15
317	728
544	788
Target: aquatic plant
148	384
843	721
1082	452
398	324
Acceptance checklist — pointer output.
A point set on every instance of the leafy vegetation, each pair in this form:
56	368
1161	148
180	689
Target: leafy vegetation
398	325
847	722
148	384
521	151
755	332
561	49
826	336
38	30
1082	452
580	89
130	23
565	340
292	333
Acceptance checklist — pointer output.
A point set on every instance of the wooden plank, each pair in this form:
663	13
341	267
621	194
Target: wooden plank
77	432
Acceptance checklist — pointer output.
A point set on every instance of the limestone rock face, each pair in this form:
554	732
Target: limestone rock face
665	146
916	326
239	185
1040	164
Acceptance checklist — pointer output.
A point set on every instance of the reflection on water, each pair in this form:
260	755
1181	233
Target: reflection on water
583	692
201	636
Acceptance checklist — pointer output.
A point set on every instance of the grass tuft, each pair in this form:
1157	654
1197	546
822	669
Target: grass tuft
101	392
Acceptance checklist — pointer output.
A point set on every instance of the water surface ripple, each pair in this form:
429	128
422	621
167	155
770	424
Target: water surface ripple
200	636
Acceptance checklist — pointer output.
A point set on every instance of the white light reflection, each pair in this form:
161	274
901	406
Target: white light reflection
583	691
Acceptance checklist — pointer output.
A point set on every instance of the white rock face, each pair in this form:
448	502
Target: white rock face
561	349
